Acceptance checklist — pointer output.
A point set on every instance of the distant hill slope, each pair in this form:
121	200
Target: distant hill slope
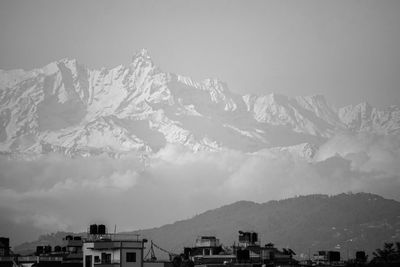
348	221
307	223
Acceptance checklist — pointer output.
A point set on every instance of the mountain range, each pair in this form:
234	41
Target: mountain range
68	108
306	224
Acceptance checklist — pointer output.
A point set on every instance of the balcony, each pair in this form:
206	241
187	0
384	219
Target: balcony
107	264
113	245
6	258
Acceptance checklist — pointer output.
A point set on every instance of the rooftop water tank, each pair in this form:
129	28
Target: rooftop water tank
93	229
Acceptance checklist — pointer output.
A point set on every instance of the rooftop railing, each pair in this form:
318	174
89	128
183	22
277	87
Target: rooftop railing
115	237
107	264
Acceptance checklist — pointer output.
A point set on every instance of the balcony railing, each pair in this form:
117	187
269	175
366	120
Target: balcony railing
114	237
7	258
113	263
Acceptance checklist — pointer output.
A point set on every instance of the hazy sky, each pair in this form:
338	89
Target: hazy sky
347	50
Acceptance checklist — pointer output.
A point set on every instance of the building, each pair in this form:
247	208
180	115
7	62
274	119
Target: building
327	257
72	250
207	241
248	239
250	251
5	259
208	250
157	264
68	255
270	255
111	250
4	247
247	253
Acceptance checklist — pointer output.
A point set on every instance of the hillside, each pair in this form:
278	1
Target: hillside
347	222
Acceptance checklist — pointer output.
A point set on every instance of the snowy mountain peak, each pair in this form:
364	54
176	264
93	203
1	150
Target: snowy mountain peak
65	64
68	108
142	56
143	53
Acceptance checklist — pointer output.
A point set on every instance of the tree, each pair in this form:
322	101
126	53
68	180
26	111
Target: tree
388	254
177	261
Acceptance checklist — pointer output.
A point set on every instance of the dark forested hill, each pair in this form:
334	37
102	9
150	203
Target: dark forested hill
347	222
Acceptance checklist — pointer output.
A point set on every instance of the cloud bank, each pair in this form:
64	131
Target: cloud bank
54	193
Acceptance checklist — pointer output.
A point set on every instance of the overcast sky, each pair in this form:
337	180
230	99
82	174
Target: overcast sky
348	51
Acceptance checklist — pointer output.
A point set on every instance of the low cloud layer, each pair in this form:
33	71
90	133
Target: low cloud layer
54	193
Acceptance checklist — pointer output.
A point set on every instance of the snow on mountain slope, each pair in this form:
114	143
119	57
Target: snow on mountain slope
304	151
310	114
67	107
364	117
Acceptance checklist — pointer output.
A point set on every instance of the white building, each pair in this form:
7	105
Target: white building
207	241
112	252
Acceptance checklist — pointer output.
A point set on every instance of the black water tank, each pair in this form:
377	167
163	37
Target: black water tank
68	237
47	249
93	229
101	229
254	237
39	250
57	249
244	237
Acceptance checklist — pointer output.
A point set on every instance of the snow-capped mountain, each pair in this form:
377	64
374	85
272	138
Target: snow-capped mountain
69	108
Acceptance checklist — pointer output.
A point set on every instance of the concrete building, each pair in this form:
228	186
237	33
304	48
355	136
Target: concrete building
112	251
4	246
327	257
207	241
248	239
207	250
158	264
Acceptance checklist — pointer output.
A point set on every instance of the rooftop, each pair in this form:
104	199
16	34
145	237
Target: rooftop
114	237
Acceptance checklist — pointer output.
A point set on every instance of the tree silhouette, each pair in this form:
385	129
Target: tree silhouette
389	253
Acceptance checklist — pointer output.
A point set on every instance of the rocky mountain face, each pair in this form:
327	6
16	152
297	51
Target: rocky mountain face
345	222
66	107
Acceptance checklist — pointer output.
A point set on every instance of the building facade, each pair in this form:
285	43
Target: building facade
112	253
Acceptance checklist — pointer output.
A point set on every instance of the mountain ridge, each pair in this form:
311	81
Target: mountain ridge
69	108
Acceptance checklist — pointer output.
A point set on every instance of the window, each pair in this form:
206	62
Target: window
131	257
96	259
105	258
88	261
